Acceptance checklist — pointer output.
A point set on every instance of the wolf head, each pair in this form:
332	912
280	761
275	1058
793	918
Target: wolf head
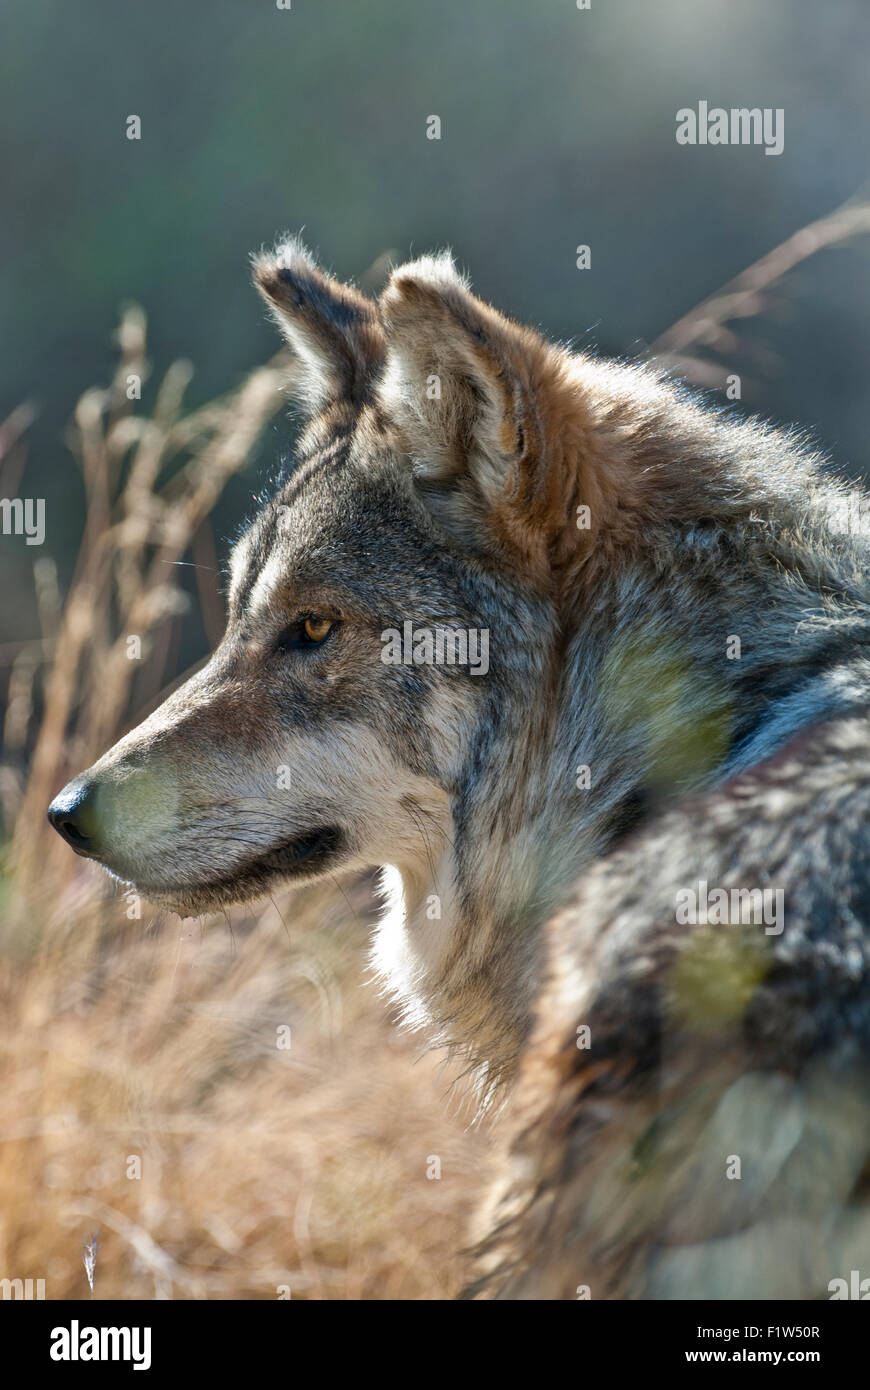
333	725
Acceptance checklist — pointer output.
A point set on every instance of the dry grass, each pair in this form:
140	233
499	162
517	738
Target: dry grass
146	1045
700	343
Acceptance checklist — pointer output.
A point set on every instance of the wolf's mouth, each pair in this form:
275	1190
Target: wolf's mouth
302	857
308	850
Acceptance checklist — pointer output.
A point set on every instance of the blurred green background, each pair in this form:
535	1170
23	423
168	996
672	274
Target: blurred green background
557	129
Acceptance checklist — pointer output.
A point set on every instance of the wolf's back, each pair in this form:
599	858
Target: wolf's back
692	1118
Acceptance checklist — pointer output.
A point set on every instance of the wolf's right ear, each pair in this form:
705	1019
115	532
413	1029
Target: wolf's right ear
332	329
484	407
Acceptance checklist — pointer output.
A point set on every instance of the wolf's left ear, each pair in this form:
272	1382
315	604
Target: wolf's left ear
332	329
483	405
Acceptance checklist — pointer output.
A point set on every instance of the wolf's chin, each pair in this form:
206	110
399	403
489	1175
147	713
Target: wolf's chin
302	858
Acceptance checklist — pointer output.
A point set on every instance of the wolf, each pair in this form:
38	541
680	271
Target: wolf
677	612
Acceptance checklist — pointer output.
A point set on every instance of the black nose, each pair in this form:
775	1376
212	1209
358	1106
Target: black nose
73	815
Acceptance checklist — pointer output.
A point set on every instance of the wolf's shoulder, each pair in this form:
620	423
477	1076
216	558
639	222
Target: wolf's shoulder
692	1116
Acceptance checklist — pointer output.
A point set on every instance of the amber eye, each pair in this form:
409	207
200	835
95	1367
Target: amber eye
304	634
316	629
